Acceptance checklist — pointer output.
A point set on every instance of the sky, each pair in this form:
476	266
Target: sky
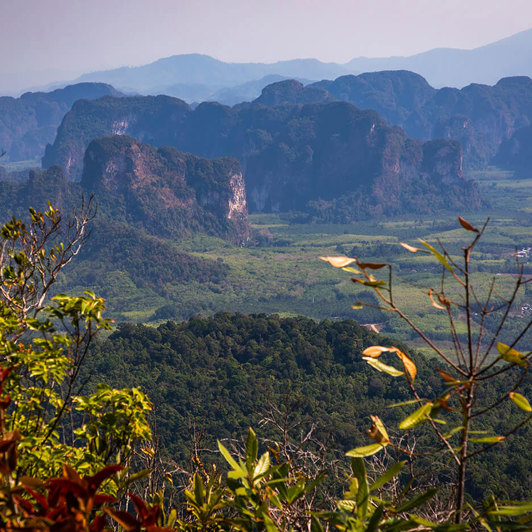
46	40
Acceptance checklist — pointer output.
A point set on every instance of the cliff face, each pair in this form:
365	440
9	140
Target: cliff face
515	153
290	154
151	119
167	192
28	123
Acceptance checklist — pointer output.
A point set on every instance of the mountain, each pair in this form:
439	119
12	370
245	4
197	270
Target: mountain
442	67
167	192
481	117
515	153
160	191
330	159
29	123
198	77
206	74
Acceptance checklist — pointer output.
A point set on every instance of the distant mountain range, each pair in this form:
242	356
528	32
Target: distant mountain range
29	123
328	159
196	77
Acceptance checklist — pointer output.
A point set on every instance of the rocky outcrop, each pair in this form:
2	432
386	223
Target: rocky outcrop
167	192
29	123
291	154
290	91
481	117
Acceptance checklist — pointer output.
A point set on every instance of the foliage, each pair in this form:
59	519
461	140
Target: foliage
43	343
216	376
469	367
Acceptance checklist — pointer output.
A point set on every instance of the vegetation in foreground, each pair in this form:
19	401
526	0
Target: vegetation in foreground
43	346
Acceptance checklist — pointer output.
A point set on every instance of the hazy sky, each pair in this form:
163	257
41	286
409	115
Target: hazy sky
82	35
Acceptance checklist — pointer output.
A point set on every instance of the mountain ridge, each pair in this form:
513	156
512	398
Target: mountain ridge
441	67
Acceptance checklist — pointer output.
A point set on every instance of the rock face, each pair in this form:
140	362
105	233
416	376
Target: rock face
516	153
29	123
291	154
147	118
167	192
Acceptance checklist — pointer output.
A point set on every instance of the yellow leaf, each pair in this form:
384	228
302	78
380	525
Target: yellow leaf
338	262
374	351
377	431
511	355
410	248
434	304
437	254
360	452
521	401
408	364
379	366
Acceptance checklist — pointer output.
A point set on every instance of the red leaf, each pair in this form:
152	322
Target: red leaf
26	505
41	499
371	265
100	498
67	485
466	225
103	474
140	505
123	518
97	523
6	445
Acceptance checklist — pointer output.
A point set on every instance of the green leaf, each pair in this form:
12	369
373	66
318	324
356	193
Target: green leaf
437	254
252	447
390	473
403	403
362	497
269	524
350	269
416	417
230	460
379	366
375	520
368	450
487	439
262	466
417	501
513	510
373	284
198	489
521	401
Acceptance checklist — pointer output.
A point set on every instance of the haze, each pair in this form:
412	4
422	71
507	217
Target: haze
59	39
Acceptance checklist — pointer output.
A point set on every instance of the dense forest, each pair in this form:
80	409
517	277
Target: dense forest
217	376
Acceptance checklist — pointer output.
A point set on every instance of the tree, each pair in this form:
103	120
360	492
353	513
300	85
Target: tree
44	340
478	356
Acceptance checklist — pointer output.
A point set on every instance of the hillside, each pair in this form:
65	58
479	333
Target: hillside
291	155
29	123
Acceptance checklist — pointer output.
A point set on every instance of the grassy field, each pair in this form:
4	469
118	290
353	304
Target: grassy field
286	276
